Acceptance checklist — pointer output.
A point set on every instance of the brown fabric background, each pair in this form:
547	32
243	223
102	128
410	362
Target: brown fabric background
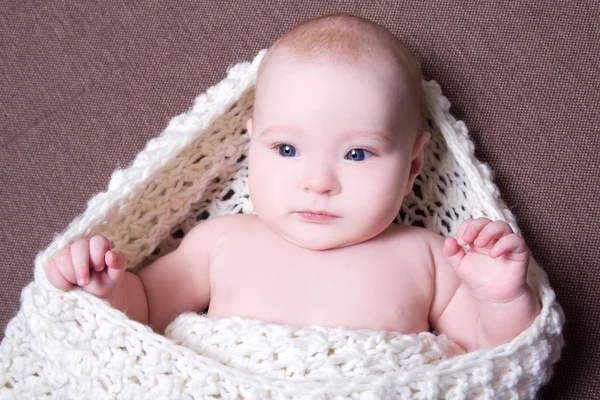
83	85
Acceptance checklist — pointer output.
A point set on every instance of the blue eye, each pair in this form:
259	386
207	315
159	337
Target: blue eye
358	155
287	150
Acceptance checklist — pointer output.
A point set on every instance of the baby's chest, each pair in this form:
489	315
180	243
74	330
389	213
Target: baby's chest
367	292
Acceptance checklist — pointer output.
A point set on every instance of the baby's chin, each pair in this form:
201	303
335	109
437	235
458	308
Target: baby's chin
317	244
318	239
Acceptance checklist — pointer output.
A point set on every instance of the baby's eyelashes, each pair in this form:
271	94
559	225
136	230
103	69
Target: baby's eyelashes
356	154
287	150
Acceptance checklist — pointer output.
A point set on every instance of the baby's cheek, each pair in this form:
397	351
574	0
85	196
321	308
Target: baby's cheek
370	204
256	186
384	196
268	187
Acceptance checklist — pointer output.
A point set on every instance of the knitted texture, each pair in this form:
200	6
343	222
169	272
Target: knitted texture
74	345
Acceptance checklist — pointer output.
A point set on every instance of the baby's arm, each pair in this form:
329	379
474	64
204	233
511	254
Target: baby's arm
481	298
175	283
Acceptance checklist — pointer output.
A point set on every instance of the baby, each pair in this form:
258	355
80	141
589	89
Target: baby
334	148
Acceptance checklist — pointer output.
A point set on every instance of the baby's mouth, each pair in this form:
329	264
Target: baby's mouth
316	216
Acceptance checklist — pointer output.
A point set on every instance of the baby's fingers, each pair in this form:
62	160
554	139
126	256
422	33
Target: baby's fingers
492	231
453	252
509	243
63	262
106	281
116	264
469	230
56	278
80	257
99	246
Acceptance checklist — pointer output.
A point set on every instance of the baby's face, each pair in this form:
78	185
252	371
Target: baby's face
327	139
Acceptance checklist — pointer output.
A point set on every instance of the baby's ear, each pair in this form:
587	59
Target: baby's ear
418	151
249	127
417	158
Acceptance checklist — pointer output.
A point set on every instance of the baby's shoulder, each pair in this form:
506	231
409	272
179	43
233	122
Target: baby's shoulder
415	235
227	226
228	222
423	243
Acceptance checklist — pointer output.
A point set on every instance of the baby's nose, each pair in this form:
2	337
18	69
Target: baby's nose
321	180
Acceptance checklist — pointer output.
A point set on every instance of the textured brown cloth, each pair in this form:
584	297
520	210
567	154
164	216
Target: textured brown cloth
83	86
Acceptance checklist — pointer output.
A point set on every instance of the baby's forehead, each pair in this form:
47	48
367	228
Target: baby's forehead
395	79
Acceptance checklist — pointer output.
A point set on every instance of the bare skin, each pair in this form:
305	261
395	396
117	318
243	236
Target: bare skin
386	283
297	286
331	158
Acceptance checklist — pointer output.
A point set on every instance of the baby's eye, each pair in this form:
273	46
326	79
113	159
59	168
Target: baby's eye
287	150
358	155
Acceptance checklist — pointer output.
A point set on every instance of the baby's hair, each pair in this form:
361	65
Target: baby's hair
343	37
351	40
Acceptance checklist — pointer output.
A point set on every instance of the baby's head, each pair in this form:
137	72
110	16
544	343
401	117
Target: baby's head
335	130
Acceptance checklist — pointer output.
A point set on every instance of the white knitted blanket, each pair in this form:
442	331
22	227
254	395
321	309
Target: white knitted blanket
74	345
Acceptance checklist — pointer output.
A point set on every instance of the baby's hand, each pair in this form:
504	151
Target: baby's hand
495	267
89	264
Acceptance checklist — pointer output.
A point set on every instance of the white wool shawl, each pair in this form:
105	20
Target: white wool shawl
74	345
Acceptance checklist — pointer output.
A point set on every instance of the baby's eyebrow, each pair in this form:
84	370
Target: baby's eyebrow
372	134
272	129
